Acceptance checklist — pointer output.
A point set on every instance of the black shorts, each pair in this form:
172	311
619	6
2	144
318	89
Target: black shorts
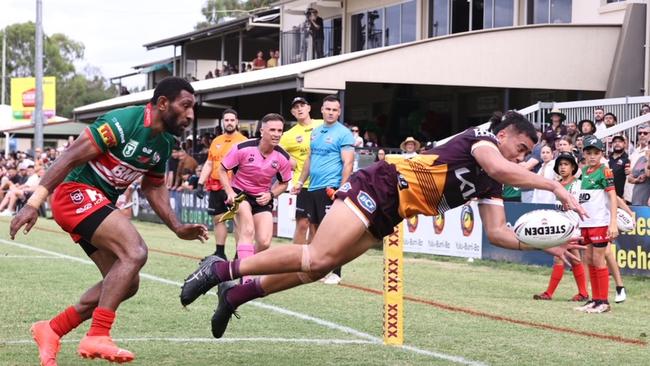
86	228
255	207
302	201
217	202
317	205
372	194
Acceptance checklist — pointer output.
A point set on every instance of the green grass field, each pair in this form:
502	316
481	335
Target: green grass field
459	312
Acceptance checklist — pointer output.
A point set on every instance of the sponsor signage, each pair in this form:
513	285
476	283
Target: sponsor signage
631	249
23	97
457	232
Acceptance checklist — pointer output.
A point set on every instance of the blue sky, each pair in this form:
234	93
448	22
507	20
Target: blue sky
114	31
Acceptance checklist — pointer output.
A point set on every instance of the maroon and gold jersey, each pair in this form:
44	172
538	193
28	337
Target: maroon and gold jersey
446	176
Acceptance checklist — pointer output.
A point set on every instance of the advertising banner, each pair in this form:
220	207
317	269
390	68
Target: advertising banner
632	249
457	233
23	97
286	215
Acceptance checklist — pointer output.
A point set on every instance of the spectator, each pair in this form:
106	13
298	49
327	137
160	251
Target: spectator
645	109
370	138
638	163
610	119
563	144
532	162
272	61
618	161
276	55
546	171
410	147
172	167
258	62
557	129
185	162
599	118
587	127
20	192
639	151
381	155
572	131
317	33
358	140
209	75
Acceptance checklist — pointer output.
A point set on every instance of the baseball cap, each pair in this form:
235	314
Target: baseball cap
591	141
618	137
298	100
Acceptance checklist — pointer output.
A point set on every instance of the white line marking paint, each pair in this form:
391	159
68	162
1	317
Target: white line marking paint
342	328
210	340
29	257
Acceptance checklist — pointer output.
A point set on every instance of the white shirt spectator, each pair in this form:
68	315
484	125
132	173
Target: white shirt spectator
541	195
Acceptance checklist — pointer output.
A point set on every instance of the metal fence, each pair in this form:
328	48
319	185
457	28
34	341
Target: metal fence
298	45
625	109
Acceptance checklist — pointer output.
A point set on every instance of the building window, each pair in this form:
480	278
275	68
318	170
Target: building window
498	13
383	27
438	18
549	11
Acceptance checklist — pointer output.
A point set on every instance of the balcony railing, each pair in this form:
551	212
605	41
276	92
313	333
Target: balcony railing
298	46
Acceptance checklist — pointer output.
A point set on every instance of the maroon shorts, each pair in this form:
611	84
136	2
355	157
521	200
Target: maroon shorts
73	202
594	235
372	194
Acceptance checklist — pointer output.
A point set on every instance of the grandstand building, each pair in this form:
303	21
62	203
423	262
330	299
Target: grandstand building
425	68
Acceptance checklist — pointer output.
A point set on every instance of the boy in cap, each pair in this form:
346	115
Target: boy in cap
598	197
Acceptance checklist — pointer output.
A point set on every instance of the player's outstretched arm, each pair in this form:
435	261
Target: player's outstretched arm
506	172
82	150
498	233
158	198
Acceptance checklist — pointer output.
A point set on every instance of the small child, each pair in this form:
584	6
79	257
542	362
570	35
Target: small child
566	167
598	197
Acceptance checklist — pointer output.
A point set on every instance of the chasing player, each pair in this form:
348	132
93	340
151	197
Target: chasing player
209	178
120	147
474	164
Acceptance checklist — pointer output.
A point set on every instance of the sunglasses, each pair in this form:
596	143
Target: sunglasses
643	133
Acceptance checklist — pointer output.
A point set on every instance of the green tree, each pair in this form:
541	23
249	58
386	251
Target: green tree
59	56
216	11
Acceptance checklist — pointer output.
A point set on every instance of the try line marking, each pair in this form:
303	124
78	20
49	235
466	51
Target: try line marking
369	338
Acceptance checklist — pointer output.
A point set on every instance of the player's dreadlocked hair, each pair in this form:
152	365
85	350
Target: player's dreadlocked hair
171	87
500	121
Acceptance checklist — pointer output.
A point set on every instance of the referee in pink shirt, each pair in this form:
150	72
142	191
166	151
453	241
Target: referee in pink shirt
255	163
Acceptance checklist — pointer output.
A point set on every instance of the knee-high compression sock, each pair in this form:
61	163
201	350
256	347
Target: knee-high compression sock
602	276
244	251
556	277
226	271
594	283
581	280
65	321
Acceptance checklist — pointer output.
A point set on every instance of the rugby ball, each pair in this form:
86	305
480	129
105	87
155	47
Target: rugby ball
624	220
544	228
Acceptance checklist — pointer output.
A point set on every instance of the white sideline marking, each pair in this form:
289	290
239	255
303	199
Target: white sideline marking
342	328
29	257
208	340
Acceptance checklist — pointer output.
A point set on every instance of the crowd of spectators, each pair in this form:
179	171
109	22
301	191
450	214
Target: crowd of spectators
628	160
257	63
20	173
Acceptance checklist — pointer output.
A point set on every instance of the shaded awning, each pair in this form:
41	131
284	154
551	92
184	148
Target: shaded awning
62	128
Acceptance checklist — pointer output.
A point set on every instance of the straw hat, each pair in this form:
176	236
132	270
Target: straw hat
410	139
558	112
